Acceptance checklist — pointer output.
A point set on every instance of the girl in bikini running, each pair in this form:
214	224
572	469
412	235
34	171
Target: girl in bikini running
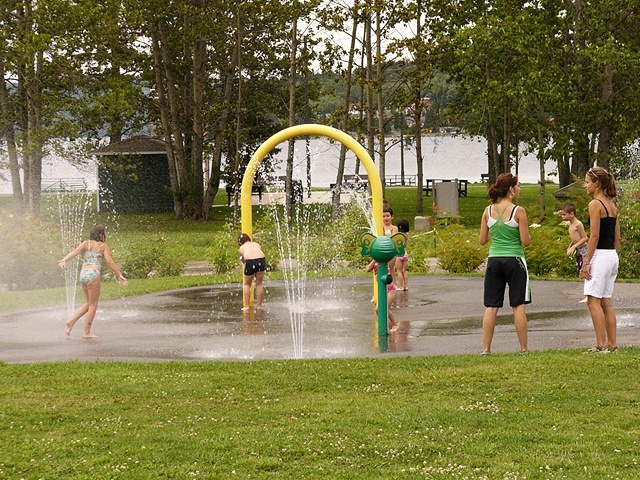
95	252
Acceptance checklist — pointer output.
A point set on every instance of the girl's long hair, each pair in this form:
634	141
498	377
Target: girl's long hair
607	182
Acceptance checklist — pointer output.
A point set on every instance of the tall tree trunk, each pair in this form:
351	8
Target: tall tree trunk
292	120
369	82
506	138
382	167
175	131
606	128
335	212
174	173
581	158
492	148
420	168
197	147
236	167
12	150
564	165
223	124
34	135
418	120
541	162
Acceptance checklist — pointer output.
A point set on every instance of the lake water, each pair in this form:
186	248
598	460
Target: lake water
444	157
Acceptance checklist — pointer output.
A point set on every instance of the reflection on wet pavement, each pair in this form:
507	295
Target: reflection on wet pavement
439	315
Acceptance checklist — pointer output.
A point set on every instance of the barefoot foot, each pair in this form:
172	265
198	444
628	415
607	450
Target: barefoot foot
89	336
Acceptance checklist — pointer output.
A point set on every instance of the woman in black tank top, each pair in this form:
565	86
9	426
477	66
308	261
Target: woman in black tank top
601	262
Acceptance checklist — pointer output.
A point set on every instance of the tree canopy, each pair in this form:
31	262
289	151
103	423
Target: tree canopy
216	78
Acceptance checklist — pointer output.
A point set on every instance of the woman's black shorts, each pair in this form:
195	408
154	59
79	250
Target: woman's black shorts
503	271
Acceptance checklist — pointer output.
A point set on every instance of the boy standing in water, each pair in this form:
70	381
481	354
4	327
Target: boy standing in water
255	265
578	236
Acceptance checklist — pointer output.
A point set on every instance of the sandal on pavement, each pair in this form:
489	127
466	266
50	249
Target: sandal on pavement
596	349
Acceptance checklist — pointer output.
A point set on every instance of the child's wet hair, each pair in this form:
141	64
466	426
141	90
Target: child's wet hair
243	238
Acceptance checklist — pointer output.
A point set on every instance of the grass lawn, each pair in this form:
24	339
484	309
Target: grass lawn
556	414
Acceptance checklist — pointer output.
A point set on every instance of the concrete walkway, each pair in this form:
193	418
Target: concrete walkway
439	315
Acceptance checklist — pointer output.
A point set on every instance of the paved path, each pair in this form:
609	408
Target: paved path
440	315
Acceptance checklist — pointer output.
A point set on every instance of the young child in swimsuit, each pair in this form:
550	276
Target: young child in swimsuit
95	252
401	262
389	230
391	297
578	236
255	266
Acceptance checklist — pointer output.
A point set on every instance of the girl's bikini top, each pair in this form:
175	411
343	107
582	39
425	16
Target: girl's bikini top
93	258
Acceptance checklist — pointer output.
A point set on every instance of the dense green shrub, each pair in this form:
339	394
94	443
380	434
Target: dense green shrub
352	223
460	251
30	249
629	214
421	246
151	258
547	253
223	255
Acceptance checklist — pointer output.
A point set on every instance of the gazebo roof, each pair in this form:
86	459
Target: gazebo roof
138	145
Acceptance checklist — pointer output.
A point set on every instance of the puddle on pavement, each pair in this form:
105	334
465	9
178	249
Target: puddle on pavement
339	321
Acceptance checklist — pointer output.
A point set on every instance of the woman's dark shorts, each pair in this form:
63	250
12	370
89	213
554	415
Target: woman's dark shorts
503	271
251	267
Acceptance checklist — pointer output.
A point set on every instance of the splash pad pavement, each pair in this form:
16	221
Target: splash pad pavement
440	315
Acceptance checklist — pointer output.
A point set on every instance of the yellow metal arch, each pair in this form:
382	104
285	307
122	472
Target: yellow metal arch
310	129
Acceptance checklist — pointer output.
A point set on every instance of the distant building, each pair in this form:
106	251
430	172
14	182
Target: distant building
133	176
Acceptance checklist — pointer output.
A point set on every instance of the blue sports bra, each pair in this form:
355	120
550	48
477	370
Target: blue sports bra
93	258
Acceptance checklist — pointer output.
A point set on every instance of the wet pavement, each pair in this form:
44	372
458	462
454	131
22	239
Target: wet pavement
439	315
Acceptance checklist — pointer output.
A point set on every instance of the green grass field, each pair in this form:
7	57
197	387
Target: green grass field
549	415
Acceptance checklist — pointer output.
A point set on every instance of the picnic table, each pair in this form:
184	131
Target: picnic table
353	182
399	180
463	185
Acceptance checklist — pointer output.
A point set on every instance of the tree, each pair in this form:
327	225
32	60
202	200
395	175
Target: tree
36	37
